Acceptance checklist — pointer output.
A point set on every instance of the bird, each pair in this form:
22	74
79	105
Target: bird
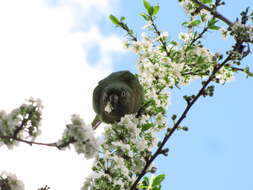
118	94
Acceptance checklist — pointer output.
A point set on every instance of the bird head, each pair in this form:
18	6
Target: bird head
117	95
116	100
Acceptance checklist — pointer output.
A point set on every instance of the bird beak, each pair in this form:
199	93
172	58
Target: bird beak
108	108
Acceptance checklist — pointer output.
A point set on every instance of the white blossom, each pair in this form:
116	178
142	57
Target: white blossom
136	47
22	122
121	145
13	182
83	136
148	25
162	35
242	31
224	33
186	37
130	121
142	145
224	75
188	6
205	16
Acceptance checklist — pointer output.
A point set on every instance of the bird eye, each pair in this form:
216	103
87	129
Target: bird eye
123	93
104	98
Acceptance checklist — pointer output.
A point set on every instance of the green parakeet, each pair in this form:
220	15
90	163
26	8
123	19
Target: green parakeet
118	94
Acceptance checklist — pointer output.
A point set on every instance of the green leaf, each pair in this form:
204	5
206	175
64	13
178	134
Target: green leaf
211	24
145	16
250	74
157	187
145	180
158	179
143	186
214	27
206	1
213	21
203	17
156	9
122	18
174	43
146	4
247	71
194	23
185	23
147	126
114	20
148	7
151	11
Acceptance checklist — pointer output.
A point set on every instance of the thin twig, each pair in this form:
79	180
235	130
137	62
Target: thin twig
158	33
237	68
28	142
59	146
213	12
125	27
200	35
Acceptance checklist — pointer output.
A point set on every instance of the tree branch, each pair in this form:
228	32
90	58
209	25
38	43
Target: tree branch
237	68
129	32
213	12
158	33
200	35
59	146
182	117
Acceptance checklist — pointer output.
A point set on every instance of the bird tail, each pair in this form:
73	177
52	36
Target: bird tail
96	122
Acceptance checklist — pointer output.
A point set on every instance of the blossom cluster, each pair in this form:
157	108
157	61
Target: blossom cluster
178	64
22	123
192	9
122	155
188	6
10	181
81	136
242	32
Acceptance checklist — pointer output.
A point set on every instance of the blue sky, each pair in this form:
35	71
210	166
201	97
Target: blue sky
65	47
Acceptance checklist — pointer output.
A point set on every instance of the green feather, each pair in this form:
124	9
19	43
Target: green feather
128	90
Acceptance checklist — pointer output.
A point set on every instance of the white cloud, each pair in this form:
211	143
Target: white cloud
41	57
103	6
88	11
